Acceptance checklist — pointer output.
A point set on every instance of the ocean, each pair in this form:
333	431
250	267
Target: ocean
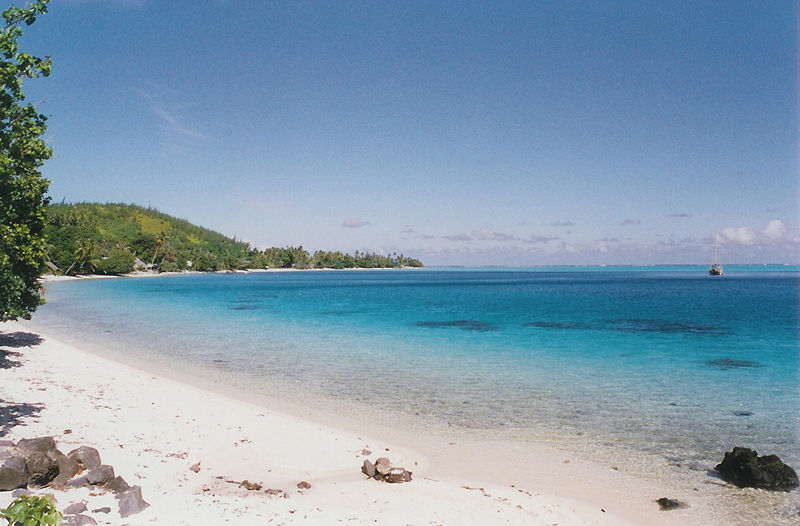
639	362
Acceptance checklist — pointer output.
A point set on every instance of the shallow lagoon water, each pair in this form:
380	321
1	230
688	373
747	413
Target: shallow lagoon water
663	361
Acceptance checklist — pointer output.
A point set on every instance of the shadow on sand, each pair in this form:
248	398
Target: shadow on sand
19	339
12	415
8	359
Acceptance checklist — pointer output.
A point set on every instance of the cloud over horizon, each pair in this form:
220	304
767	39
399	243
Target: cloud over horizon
534	238
354	223
457	237
486	234
775	229
747	235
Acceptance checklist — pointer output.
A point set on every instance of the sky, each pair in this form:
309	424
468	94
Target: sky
461	133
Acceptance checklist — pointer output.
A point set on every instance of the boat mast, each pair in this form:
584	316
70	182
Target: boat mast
716	246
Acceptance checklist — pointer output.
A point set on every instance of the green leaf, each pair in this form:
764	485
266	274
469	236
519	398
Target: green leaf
22	187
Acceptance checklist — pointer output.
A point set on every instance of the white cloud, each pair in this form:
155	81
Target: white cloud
458	237
744	235
354	223
535	238
170	124
775	229
485	234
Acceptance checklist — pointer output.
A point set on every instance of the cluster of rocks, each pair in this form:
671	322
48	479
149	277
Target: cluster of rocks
744	468
36	462
383	470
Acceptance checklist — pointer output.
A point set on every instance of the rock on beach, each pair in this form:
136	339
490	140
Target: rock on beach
744	468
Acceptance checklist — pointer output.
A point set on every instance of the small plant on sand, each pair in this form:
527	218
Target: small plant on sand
32	510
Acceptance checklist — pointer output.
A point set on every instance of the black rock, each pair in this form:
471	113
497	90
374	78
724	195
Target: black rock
383	470
74	509
41	468
86	456
368	468
40	444
744	468
67	468
100	475
21	492
13	474
666	504
117	485
131	502
383	465
398	475
77	482
8	450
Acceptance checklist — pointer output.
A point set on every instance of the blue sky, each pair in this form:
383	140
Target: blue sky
466	133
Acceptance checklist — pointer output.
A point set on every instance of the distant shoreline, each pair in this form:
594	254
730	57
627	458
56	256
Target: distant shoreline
45	278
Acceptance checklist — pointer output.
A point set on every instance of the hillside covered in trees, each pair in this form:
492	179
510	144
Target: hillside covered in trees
114	238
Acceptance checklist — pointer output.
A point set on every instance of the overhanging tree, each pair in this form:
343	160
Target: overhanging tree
22	186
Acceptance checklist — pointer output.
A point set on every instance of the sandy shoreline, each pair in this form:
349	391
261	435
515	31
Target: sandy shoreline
152	429
146	274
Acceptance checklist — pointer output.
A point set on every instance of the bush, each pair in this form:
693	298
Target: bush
119	262
32	510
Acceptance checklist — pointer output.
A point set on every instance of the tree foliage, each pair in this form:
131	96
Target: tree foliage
22	187
338	260
110	238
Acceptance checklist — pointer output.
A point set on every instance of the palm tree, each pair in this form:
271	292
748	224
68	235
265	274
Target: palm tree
161	241
85	250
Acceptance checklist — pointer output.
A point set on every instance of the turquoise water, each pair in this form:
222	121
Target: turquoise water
661	360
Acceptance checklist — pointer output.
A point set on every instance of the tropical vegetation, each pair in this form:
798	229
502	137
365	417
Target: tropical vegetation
116	238
32	510
23	189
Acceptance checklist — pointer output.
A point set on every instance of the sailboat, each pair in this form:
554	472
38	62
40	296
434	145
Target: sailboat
716	267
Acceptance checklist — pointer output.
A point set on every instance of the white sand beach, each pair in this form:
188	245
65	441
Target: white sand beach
153	429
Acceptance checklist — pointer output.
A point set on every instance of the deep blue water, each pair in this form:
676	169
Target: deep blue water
660	359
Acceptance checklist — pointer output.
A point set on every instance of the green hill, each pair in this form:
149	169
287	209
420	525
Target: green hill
118	238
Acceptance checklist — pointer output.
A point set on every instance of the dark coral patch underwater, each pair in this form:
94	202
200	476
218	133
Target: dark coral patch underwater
729	363
634	325
248	307
665	327
464	325
559	325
